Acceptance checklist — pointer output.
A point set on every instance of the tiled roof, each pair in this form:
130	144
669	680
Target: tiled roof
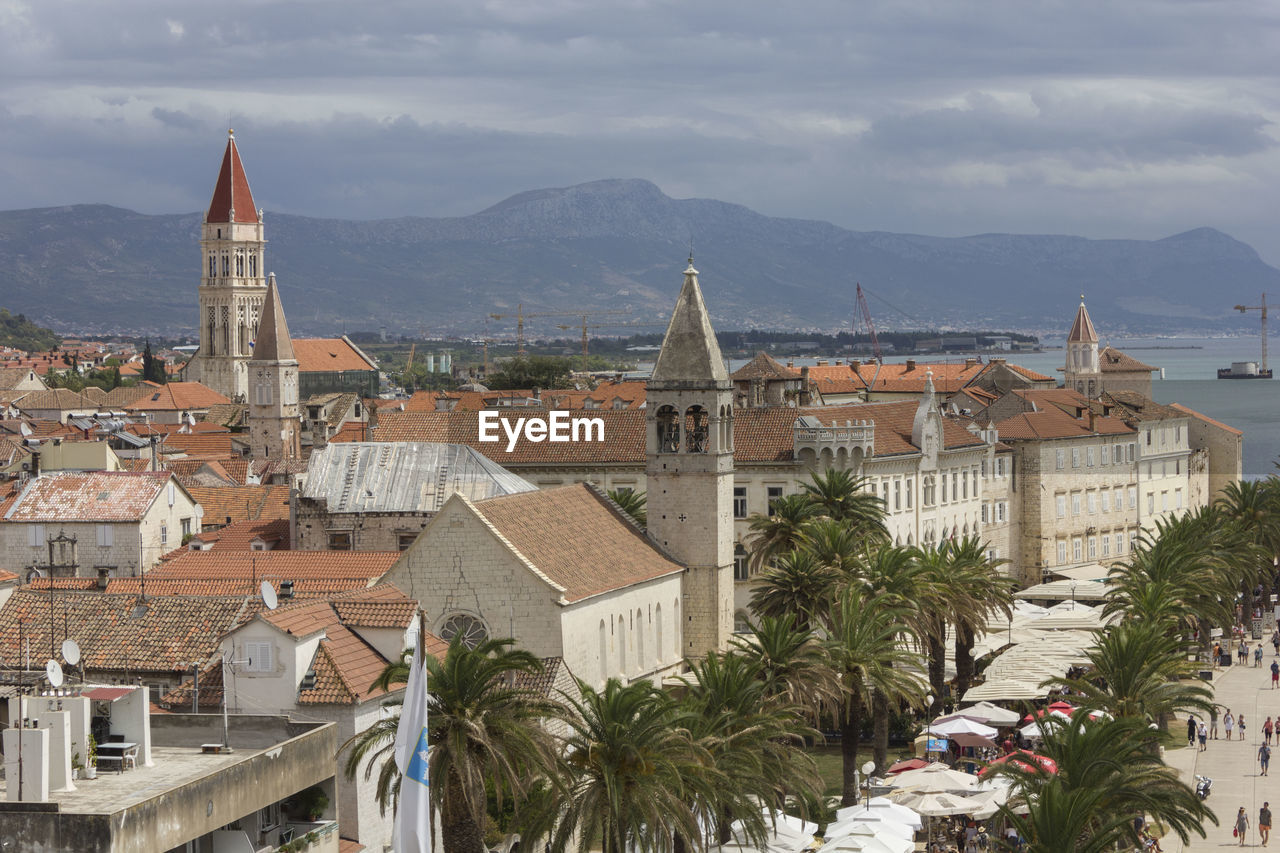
178	396
240	536
1027	372
1052	423
577	538
122	397
202	443
764	366
11	377
1112	360
351	431
231	193
201	472
60	399
203	587
278	565
242	503
179	698
225	414
323	354
623	433
1139	408
273	342
381	606
906	378
1082	329
893	423
168	635
1219	424
89	496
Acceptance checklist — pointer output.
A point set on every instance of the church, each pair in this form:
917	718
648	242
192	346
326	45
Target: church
569	575
233	297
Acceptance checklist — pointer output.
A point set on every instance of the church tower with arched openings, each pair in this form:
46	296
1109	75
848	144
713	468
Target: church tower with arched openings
1082	372
274	429
689	469
233	283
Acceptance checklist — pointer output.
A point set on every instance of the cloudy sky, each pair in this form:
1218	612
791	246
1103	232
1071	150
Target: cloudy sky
1140	118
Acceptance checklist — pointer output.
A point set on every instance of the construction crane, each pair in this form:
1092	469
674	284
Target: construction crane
863	317
521	317
585	327
1263	308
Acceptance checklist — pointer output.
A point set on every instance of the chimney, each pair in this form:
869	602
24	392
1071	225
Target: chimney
855	363
822	362
1093	421
804	385
911	365
286	589
103	576
970	362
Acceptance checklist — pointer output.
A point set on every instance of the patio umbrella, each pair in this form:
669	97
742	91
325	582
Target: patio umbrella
974	740
864	823
862	843
962	726
887	809
932	804
992	715
909	764
1065	707
1023	758
936	778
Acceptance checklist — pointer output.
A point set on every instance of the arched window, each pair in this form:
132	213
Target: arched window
659	650
640	632
697	429
622	645
604	652
253	264
667	422
213	265
464	625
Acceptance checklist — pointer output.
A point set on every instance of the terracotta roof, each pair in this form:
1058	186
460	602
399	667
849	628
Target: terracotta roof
323	354
282	565
1053	423
231	193
242	503
1082	329
203	587
1139	408
764	366
202	472
199	428
1112	360
1027	372
240	536
120	398
1207	419
89	496
273	342
210	698
7	576
351	431
893	422
202	443
225	414
577	538
906	378
172	632
60	399
178	396
623	433
11	377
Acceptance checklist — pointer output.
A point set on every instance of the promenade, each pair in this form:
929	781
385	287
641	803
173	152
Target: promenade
1233	765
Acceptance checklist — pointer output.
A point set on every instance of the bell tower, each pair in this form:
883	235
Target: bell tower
1082	372
274	429
232	282
689	468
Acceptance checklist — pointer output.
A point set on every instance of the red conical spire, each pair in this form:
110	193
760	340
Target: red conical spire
231	195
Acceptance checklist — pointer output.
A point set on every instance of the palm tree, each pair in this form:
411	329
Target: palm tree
933	607
633	772
631	502
1138	670
843	497
755	742
1250	506
774	534
791	663
481	728
798	584
978	592
867	647
1105	775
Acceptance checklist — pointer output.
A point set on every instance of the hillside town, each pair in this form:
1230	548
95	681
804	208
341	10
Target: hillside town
210	577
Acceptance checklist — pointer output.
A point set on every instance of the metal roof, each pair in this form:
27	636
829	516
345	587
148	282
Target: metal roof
403	476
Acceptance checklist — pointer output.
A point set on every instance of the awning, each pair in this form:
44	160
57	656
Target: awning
108	694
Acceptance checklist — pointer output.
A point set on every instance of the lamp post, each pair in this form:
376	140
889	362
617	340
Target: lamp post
866	773
1073	595
928	725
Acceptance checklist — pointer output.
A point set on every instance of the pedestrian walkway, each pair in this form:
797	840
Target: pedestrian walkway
1233	765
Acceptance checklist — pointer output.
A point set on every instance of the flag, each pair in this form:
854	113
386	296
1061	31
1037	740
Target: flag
413	813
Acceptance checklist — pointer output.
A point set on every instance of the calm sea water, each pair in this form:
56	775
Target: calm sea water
1250	405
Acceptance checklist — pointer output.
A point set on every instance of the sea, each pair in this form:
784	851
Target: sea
1189	376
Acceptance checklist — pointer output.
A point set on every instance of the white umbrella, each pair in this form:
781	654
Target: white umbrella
871	844
936	778
939	804
888	810
994	715
865	822
962	726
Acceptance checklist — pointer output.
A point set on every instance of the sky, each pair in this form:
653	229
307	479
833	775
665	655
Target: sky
1138	119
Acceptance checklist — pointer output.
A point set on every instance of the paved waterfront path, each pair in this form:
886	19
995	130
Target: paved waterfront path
1233	766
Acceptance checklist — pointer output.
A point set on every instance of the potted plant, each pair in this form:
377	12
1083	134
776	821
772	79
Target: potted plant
309	803
76	766
91	766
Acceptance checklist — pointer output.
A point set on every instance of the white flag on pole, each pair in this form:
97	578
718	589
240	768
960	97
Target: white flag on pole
413	814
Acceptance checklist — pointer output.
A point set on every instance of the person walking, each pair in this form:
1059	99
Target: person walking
1264	758
1240	726
1267	728
1275	675
1213	722
1242	826
1217	656
1275	640
1228	722
1264	823
1242	652
1203	734
1257	656
1191	730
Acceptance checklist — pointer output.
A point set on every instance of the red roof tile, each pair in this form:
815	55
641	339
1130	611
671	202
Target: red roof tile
89	496
1207	419
242	503
323	354
178	397
278	565
231	193
577	538
893	425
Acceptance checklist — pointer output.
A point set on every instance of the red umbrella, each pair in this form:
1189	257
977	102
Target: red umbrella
909	764
1026	760
1064	707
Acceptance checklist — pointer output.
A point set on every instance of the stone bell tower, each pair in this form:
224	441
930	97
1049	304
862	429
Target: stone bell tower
689	468
1082	372
274	429
233	283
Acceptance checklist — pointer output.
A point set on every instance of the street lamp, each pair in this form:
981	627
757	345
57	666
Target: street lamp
1073	595
866	773
929	724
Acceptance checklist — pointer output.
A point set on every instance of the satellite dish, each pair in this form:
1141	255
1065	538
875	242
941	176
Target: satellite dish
24	429
269	596
199	511
53	671
71	651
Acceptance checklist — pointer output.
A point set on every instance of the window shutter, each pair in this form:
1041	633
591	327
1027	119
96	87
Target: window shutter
259	655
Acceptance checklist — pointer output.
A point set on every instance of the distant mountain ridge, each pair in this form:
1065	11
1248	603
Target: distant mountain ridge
617	243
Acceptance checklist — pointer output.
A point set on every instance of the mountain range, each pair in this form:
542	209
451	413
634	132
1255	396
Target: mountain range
622	245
